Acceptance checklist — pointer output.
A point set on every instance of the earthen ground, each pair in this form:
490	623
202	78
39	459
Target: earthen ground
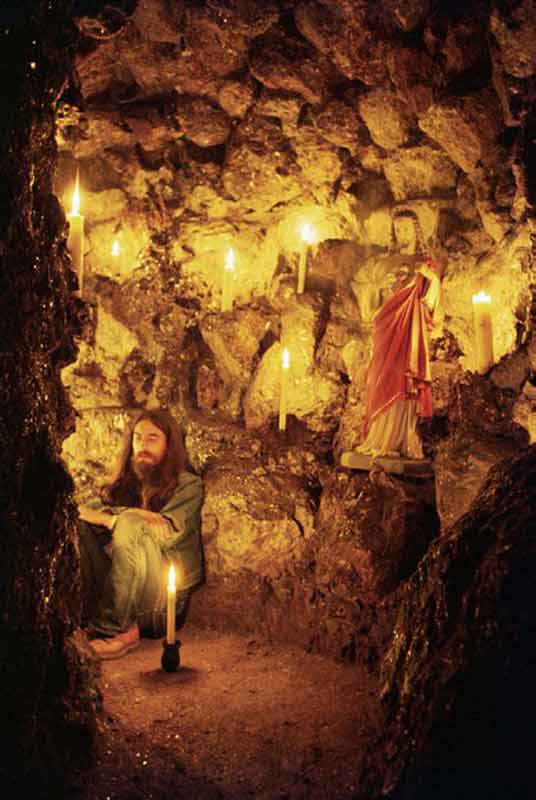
241	719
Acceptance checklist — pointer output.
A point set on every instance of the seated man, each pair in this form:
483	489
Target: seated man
148	518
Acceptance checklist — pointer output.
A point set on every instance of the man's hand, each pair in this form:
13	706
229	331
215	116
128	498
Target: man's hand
160	527
95	517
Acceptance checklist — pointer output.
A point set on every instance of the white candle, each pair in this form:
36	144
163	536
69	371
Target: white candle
307	236
75	241
483	331
228	274
116	249
171	604
283	389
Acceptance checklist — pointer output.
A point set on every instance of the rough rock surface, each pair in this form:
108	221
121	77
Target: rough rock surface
49	697
457	679
482	433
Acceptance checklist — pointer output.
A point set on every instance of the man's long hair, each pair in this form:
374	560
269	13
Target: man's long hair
125	487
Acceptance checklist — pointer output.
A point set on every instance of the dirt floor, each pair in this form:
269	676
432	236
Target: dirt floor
241	719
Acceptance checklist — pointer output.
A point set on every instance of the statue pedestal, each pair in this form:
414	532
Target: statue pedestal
411	467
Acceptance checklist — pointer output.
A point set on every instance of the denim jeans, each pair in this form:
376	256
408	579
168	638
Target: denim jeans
127	586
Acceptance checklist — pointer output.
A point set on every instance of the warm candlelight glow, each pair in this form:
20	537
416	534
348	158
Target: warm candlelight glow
75	206
171	606
308	239
307	233
483	327
283	389
171	579
228	275
75	242
116	249
481	297
230	259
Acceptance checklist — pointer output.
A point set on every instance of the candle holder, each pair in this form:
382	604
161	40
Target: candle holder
170	656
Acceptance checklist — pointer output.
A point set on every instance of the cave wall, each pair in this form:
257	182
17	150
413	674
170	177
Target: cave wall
202	126
47	681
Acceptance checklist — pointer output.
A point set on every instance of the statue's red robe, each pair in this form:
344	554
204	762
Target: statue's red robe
400	366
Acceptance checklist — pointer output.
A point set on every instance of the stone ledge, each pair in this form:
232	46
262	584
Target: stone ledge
413	467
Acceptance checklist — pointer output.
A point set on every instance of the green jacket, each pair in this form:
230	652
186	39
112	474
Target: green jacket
183	512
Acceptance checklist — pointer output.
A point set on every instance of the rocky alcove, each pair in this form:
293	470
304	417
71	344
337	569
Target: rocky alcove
197	128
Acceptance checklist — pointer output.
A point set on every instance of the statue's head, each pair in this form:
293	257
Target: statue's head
407	234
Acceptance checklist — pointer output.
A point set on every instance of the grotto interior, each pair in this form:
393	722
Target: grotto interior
225	151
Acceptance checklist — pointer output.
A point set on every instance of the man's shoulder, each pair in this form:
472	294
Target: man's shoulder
186	478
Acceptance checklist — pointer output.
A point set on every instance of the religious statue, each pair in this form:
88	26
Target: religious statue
398	385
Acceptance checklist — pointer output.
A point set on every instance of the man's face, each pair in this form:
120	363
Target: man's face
148	444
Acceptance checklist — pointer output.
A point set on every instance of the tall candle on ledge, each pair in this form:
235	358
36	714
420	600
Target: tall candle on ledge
228	275
283	389
171	605
307	237
483	331
75	241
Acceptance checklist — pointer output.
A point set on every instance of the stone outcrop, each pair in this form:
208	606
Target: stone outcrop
457	678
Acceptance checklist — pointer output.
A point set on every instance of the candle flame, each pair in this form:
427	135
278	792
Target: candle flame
285	359
230	259
307	233
75	207
481	297
115	248
171	579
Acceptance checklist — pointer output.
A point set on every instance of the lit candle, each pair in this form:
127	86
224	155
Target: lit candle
171	602
483	331
115	248
307	236
75	241
228	273
283	390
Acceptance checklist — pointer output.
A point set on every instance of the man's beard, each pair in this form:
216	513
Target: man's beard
147	473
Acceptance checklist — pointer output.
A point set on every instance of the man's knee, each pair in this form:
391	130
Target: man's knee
128	530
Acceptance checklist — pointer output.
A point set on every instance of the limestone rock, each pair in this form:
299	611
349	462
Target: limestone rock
465	45
314	398
416	78
94	379
260	169
339	123
496	223
515	32
464	634
253	519
340	31
465	127
482	433
91	453
202	123
152	18
409	14
100	130
373	530
319	160
387	118
420	172
234	342
286	106
101	68
288	65
236	97
222	47
193	75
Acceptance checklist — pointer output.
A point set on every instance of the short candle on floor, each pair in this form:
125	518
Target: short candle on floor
307	237
228	274
75	241
283	389
483	324
171	605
